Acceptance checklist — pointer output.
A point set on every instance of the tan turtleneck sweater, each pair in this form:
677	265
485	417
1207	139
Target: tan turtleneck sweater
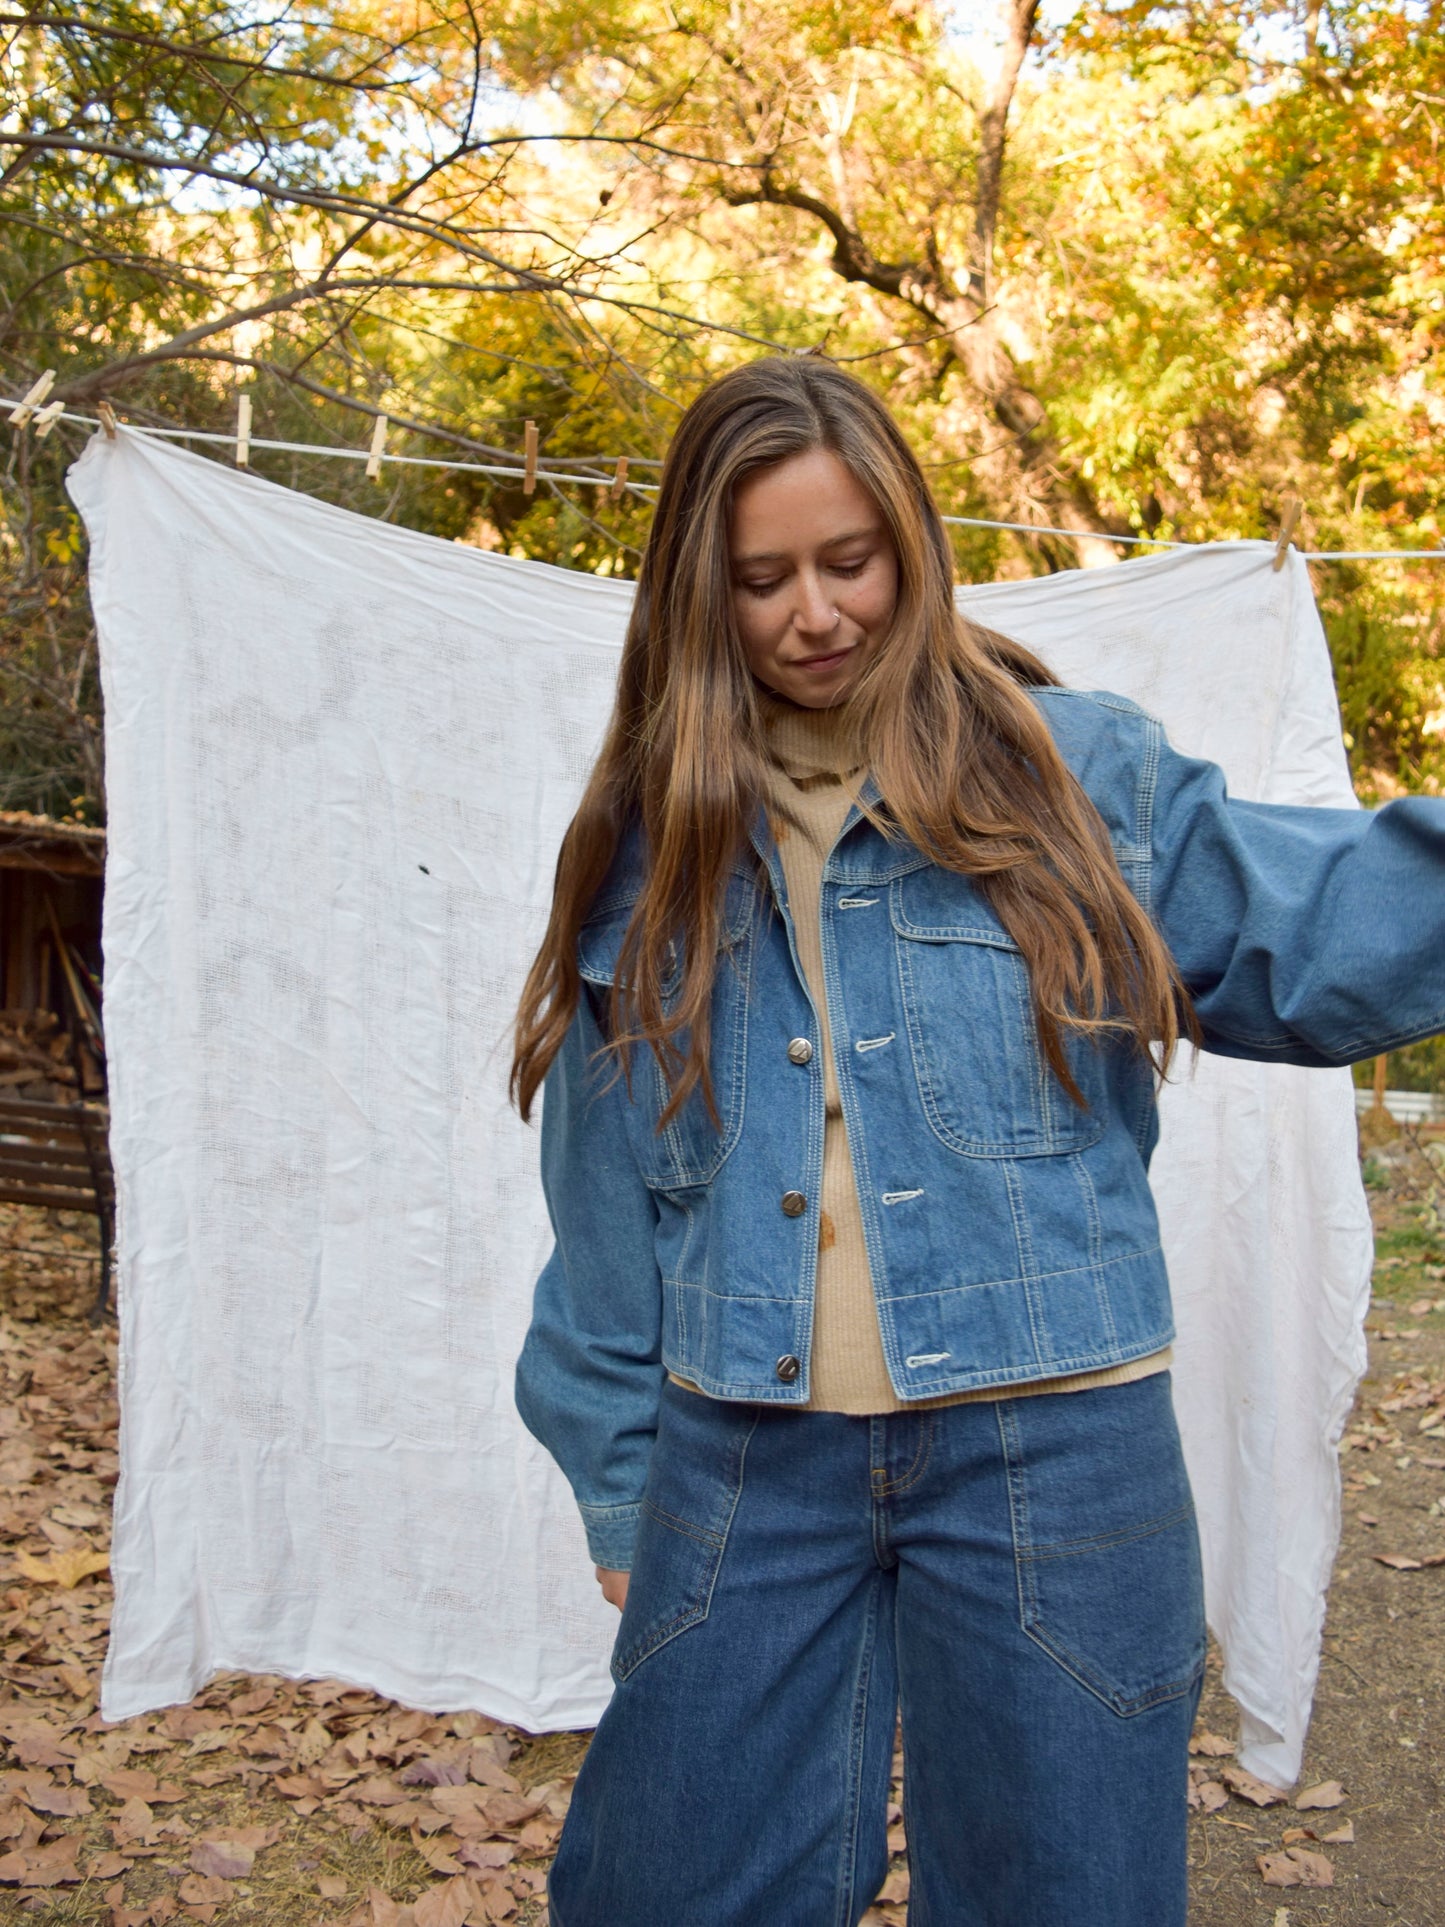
817	771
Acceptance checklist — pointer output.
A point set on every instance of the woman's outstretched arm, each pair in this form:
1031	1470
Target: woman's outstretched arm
1305	935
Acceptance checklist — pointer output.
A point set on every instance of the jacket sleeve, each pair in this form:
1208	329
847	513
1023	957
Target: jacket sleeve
1305	935
590	1373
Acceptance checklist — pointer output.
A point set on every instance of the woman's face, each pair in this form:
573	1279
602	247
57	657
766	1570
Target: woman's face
815	578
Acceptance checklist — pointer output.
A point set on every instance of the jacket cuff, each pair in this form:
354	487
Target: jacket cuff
611	1534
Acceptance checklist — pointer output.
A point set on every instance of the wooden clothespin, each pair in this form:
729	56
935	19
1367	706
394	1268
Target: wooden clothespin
107	419
619	480
31	401
47	418
243	432
1293	509
378	444
529	445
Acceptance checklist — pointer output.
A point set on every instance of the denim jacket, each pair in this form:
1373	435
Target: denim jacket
1011	1233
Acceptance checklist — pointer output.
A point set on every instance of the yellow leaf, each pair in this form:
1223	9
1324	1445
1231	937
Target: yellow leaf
63	1569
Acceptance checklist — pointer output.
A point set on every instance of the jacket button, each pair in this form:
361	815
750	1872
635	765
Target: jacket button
787	1369
794	1204
800	1051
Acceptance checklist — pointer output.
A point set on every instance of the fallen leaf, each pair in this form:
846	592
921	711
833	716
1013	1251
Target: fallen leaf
497	1904
299	1786
77	1515
1397	1562
1315	1869
107	1865
436	1854
37	1744
1212	1796
331	1886
379	1793
63	1569
386	1912
445	1906
1329	1793
52	1865
1211	1745
1259	1792
210	1742
1367	1518
487	1771
254	1837
1341	1837
434	1773
223	1859
1278	1870
66	1802
486	1855
134	1822
203	1890
130	1782
1292	1834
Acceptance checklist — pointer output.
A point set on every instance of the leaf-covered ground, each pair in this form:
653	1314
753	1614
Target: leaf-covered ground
267	1801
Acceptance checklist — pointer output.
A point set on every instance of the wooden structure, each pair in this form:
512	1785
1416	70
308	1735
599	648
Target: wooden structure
53	1112
51	874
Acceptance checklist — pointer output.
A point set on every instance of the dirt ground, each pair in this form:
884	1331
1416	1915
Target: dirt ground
1379	1714
319	1805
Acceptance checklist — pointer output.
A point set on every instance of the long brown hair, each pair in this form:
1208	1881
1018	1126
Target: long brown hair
966	766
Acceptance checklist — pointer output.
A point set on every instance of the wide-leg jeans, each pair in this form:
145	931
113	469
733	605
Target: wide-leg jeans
1020	1578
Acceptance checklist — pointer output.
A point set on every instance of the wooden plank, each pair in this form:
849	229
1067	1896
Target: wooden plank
74	1155
47	1174
33	1107
53	1200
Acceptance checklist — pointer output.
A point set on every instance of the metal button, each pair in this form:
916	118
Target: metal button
787	1368
800	1051
794	1204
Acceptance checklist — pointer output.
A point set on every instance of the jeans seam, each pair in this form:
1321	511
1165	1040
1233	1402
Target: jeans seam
717	1543
1018	1506
848	1872
1104	1541
704	1534
921	1457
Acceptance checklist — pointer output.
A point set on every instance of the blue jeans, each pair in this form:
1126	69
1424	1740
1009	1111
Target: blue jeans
1021	1578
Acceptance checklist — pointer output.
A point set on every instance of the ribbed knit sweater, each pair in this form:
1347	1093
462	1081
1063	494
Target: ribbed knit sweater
816	773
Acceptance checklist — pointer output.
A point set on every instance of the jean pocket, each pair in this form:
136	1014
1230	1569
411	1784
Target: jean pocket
1110	1584
694	1483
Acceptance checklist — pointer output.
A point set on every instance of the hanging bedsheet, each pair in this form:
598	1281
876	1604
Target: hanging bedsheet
340	759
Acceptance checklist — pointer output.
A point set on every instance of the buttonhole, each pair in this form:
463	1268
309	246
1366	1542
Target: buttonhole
424	870
900	1197
855	903
926	1358
874	1043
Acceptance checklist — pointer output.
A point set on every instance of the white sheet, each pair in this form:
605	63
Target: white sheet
340	758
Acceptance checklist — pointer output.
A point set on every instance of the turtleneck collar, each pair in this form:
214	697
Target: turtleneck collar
810	742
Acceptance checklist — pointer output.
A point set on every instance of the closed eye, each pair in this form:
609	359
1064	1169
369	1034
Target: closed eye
848	570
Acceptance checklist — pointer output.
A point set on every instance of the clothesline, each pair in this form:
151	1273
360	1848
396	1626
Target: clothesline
47	417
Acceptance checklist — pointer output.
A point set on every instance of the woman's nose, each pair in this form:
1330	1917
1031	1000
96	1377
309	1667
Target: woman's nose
814	614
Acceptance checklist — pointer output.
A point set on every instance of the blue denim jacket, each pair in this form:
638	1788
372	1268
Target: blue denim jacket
1011	1234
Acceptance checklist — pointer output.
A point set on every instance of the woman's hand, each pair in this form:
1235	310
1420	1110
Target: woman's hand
614	1586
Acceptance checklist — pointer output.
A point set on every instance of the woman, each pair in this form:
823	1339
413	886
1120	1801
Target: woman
854	1344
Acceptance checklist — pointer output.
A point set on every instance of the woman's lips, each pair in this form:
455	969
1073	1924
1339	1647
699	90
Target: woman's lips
819	665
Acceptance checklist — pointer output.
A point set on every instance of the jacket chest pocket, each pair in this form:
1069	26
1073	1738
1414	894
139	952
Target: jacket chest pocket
985	1085
690	1149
